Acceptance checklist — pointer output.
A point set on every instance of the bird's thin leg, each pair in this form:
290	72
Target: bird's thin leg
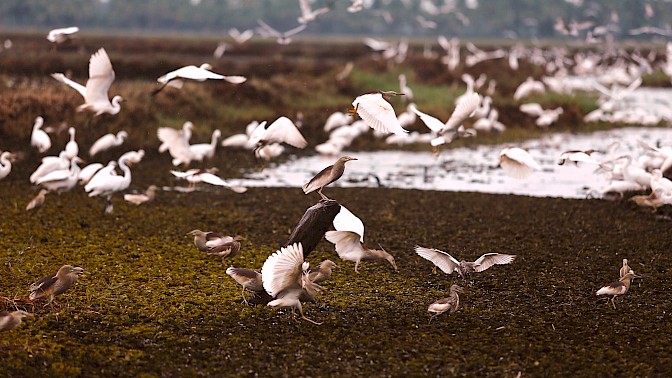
243	294
356	266
319	191
612	301
304	316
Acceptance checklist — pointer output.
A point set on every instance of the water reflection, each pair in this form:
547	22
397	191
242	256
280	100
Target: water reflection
472	169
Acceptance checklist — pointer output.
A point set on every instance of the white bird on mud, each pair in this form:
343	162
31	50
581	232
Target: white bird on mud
71	148
202	151
349	240
107	141
619	287
285	277
39	138
545	117
61	180
528	87
175	78
448	264
282	130
101	76
49	164
5	164
109	184
378	114
517	162
61	35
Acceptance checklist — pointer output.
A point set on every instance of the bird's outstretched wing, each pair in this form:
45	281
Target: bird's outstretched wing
517	162
441	259
431	122
282	269
489	259
347	221
347	244
378	113
101	76
463	110
283	130
72	84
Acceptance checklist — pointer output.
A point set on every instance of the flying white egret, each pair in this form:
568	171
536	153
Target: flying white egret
528	87
195	176
285	277
545	117
378	114
463	110
448	264
202	73
39	138
283	38
107	141
240	37
282	130
308	14
577	157
61	35
349	240
335	120
101	76
176	142
517	162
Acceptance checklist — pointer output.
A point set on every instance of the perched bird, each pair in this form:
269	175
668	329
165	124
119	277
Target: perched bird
378	114
107	141
517	162
619	287
11	320
312	226
624	269
448	264
5	164
101	76
349	240
285	277
39	138
38	200
55	284
248	279
322	272
327	176
61	35
450	303
202	73
141	198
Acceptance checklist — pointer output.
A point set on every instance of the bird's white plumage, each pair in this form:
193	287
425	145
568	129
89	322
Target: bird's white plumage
489	259
441	259
107	141
517	162
378	113
345	220
464	108
532	109
282	270
86	174
431	122
61	34
39	138
282	130
347	243
201	73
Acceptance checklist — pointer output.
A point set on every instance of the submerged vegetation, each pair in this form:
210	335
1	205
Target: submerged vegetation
154	305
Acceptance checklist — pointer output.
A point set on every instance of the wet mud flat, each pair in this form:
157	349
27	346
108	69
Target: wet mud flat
154	305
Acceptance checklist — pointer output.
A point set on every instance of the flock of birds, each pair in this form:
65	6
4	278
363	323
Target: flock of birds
286	279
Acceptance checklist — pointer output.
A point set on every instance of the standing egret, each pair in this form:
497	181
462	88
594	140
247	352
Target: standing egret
49	164
378	114
349	240
71	148
61	180
202	151
39	138
448	264
101	76
517	162
107	141
202	73
327	176
109	184
5	164
285	277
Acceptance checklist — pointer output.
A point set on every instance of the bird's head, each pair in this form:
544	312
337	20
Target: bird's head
388	94
239	238
328	264
196	233
24	314
456	288
78	270
346	158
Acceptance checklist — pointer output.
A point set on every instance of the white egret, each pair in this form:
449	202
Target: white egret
528	87
404	88
308	14
378	114
448	264
61	35
240	37
463	110
285	277
176	142
195	176
577	157
282	130
88	172
5	164
61	180
109	184
50	163
336	120
71	148
202	151
283	38
107	141
101	76
545	117
517	162
202	73
39	138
